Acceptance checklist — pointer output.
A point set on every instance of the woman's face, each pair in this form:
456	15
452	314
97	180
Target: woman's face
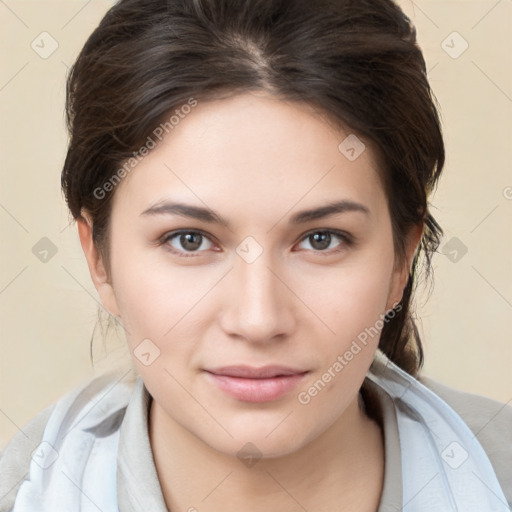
253	272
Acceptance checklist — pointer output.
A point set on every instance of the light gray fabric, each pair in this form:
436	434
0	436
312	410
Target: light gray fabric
383	411
491	423
139	489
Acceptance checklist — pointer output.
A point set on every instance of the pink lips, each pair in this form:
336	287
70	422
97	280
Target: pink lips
255	384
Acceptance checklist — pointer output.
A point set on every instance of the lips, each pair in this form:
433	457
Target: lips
249	372
251	384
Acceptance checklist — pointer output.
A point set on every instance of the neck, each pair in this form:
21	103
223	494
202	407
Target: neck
340	470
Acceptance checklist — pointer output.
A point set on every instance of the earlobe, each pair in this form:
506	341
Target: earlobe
96	265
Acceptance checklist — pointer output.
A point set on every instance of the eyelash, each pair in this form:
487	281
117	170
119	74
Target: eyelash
347	241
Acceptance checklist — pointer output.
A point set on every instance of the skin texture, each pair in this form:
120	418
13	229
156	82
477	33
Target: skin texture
256	161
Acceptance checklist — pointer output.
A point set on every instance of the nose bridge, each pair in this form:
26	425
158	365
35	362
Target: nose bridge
258	284
259	308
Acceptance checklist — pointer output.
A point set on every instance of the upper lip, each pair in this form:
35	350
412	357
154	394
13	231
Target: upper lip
249	372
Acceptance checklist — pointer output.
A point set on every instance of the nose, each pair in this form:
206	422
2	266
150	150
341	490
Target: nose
258	305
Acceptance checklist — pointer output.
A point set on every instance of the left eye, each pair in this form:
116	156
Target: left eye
321	240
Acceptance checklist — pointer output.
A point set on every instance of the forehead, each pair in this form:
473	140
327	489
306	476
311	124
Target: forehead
254	150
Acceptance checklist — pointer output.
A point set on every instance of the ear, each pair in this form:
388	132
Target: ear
96	266
401	274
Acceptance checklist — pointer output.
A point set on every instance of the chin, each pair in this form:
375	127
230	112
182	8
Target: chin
256	442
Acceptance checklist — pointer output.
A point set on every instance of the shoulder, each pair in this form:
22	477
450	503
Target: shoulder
489	420
93	399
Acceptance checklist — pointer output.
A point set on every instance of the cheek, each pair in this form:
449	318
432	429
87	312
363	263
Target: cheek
166	304
354	309
354	297
150	296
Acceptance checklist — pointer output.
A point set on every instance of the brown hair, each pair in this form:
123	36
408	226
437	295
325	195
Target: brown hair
356	61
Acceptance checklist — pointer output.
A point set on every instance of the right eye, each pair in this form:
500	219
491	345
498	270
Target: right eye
186	241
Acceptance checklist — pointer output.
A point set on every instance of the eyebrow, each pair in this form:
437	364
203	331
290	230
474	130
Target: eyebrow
208	215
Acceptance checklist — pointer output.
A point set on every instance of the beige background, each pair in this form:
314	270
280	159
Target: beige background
48	310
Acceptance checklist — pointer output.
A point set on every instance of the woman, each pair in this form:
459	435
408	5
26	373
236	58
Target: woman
250	181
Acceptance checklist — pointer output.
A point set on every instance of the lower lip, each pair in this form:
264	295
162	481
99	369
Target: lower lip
256	390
